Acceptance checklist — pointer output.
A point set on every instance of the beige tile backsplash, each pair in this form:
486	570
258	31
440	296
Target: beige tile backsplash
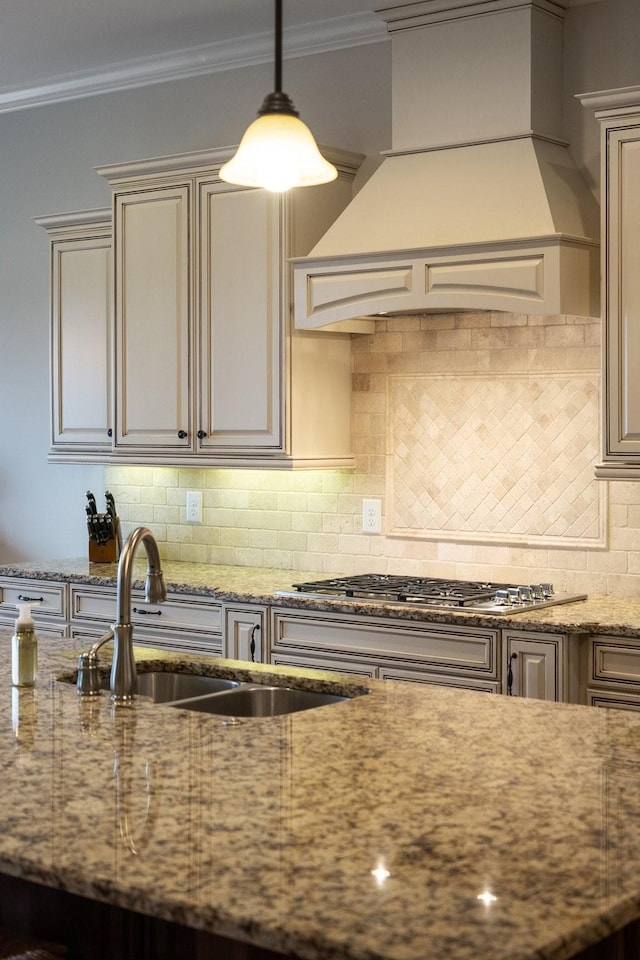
478	431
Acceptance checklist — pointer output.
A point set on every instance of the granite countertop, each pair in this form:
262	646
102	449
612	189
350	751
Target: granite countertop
269	830
618	616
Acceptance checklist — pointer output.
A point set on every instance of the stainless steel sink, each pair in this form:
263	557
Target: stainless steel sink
164	687
258	700
225	697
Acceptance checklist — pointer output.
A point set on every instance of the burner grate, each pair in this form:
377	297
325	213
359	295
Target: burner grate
432	590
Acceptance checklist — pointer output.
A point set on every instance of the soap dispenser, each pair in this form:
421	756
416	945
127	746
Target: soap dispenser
24	648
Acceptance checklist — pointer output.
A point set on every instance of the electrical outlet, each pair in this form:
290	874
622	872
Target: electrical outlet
372	516
194	506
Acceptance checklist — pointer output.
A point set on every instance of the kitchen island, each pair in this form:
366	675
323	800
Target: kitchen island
409	822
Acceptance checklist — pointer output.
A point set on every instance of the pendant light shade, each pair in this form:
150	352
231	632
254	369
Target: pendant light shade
278	151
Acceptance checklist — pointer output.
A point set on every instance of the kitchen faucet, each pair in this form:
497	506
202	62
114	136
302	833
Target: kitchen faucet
123	668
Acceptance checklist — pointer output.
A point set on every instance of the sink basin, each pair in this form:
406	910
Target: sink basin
257	700
164	687
225	697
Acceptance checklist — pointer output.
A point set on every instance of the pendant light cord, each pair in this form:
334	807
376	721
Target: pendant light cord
277	101
278	51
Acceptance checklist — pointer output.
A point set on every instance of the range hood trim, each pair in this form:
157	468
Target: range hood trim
522	277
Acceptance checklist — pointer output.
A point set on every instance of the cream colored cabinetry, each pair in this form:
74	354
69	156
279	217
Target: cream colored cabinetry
208	366
535	665
50	614
186	622
245	632
153	306
81	368
614	672
466	657
620	184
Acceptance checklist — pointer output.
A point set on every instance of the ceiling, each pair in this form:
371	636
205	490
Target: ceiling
52	50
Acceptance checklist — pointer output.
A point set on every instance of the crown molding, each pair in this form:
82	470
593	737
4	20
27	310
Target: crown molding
320	37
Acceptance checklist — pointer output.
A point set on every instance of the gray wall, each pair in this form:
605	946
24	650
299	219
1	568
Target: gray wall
47	156
47	160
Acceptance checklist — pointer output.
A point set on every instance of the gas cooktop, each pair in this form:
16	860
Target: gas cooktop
434	593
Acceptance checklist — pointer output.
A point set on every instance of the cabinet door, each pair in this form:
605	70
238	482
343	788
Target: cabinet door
81	341
621	174
244	634
533	667
153	317
240	326
81	381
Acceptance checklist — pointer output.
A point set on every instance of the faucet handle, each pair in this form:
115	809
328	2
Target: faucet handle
88	683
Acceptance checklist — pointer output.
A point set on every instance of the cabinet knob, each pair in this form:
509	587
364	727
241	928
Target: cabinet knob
201	434
110	432
182	434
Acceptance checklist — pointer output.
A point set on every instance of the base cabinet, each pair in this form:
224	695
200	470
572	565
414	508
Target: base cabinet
245	633
614	672
463	657
599	670
50	610
535	665
184	622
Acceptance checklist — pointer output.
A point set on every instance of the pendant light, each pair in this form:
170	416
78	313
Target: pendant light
278	151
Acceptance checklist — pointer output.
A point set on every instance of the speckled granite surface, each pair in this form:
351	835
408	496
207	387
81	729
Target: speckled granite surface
618	616
269	830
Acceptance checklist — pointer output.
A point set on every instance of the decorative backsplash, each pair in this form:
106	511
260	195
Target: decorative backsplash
507	459
530	390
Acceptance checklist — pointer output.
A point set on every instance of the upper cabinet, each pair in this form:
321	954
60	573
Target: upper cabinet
208	366
619	116
81	343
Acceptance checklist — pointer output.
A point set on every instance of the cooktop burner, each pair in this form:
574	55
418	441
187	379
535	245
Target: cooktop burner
434	592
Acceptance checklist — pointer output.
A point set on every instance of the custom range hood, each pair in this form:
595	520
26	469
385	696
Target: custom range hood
478	205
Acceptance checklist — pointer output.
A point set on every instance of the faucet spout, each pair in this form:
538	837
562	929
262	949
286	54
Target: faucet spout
123	669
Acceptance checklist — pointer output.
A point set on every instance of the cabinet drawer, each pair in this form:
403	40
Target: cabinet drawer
620	700
463	650
458	683
50	594
332	664
615	660
176	613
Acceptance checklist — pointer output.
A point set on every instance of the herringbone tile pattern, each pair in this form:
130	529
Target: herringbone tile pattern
503	458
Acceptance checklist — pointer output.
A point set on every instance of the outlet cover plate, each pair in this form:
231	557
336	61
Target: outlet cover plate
194	506
372	516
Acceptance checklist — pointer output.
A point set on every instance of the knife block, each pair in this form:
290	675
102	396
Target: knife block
103	552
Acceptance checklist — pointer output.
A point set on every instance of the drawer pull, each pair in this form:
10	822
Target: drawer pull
510	675
25	599
147	613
